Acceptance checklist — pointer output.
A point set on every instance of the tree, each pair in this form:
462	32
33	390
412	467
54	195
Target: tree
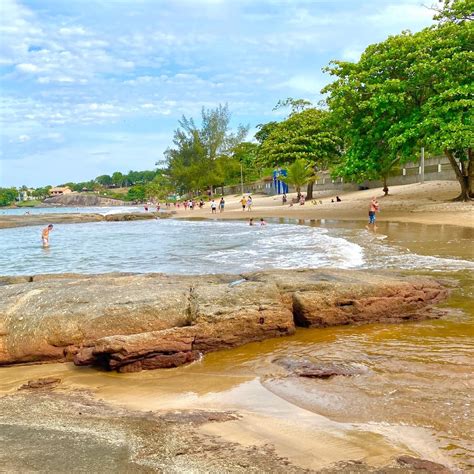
454	11
118	178
409	91
104	180
298	174
7	196
307	135
196	159
136	193
246	155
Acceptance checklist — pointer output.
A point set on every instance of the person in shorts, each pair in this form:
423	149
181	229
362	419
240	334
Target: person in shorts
373	209
45	235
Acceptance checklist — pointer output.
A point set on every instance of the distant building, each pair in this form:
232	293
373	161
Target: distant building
26	195
58	191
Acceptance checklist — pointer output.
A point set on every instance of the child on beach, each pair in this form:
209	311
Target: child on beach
213	207
262	222
243	201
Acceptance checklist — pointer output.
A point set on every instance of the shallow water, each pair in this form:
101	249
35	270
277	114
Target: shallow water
415	395
197	247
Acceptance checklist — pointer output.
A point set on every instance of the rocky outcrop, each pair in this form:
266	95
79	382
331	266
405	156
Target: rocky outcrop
131	322
82	200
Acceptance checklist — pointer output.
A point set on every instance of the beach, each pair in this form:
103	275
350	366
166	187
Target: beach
401	396
428	203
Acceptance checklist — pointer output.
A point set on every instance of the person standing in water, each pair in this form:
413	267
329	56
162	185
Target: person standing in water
373	208
45	235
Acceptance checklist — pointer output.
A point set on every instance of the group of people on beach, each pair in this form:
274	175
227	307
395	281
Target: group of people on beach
246	202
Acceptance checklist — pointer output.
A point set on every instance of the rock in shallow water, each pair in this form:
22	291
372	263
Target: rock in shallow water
133	322
317	370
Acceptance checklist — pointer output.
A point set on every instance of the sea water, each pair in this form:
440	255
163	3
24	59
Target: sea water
198	247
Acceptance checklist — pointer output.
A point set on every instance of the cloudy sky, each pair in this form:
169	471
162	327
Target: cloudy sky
93	86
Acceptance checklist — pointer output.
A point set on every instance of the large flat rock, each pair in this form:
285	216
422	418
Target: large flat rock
129	322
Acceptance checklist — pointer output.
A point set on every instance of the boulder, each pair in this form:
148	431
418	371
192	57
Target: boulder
134	321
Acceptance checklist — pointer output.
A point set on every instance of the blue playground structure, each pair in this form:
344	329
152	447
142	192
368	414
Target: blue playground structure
279	186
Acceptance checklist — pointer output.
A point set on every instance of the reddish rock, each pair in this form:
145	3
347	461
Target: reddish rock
422	465
154	320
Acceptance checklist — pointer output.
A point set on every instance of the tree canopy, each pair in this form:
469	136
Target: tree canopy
411	90
201	157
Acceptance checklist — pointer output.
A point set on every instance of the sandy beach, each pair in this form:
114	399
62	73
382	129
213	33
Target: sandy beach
428	203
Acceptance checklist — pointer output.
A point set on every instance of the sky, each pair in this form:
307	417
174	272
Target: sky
89	87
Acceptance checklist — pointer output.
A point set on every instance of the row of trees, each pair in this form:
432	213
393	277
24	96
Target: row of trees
410	91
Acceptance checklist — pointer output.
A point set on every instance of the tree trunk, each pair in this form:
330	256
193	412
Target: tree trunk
464	180
298	193
470	172
309	190
385	187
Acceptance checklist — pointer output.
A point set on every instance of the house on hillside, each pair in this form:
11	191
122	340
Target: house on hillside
59	191
26	195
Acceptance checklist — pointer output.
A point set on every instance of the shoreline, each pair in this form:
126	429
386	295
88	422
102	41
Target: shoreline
430	203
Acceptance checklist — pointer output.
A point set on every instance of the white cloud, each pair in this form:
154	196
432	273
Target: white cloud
73	31
27	68
308	83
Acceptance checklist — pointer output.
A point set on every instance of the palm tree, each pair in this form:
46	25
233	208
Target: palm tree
298	174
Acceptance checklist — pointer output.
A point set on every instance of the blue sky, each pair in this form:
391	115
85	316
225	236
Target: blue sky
89	87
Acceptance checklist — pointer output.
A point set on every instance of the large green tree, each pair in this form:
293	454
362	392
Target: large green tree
305	135
201	155
409	91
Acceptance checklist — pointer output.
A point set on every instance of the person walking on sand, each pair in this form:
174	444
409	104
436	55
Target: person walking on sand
243	201
249	203
373	208
221	205
45	235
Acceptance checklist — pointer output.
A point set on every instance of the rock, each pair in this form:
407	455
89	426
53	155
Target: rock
422	465
320	370
131	322
82	200
328	298
48	382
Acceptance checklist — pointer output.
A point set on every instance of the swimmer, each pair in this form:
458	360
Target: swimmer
262	222
45	235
